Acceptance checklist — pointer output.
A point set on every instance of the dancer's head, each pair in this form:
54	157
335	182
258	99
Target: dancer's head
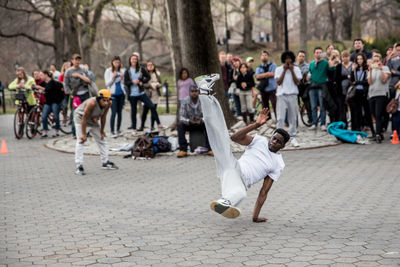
278	140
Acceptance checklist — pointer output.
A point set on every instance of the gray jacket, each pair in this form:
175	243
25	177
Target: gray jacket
189	111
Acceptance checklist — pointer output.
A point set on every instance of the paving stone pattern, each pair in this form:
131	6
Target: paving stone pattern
335	206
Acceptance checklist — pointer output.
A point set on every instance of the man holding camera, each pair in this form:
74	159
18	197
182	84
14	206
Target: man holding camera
265	74
394	66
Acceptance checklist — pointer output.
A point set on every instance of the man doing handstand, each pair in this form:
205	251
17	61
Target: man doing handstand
260	161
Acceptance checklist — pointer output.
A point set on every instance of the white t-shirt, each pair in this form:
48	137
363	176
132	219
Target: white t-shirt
258	162
287	87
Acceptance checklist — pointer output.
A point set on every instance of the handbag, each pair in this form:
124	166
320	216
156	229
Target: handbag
393	105
351	91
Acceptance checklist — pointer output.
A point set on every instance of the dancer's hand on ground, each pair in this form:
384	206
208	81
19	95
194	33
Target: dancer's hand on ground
259	220
263	116
83	139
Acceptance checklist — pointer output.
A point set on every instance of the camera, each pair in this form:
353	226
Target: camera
374	66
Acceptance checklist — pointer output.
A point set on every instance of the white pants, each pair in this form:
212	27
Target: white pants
229	173
246	101
95	132
289	103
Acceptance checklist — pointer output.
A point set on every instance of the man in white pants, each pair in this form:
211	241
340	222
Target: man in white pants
86	118
261	160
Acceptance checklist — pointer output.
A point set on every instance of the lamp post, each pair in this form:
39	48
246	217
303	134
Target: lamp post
286	26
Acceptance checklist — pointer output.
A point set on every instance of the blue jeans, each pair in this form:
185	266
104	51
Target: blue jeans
147	102
396	122
55	108
116	109
237	105
83	98
315	95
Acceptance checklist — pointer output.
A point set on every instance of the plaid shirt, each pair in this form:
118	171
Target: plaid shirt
189	111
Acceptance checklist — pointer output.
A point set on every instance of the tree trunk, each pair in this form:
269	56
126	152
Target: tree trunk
247	25
200	57
356	21
277	23
303	26
332	18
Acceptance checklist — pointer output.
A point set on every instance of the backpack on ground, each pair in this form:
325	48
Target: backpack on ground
161	144
143	147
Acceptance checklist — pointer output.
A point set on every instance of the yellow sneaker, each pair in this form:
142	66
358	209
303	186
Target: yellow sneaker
224	207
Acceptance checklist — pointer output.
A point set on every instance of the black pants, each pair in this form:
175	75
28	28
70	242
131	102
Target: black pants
360	113
266	97
144	116
377	106
147	102
183	128
342	108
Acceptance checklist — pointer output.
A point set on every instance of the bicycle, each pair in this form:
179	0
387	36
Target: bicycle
34	120
22	110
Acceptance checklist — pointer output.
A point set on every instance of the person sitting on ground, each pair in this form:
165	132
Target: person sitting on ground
260	161
88	115
190	119
54	95
23	81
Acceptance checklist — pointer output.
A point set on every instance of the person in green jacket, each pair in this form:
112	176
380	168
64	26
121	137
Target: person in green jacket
23	81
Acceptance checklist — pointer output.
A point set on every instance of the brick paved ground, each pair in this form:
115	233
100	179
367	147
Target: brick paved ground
336	206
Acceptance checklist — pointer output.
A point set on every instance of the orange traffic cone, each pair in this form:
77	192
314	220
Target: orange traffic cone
3	149
395	138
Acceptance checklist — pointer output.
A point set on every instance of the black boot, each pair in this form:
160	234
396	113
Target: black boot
244	115
251	115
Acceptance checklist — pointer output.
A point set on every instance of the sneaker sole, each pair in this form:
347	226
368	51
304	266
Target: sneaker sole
80	173
228	212
109	168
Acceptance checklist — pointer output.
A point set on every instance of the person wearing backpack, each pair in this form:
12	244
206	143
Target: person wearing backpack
265	74
86	119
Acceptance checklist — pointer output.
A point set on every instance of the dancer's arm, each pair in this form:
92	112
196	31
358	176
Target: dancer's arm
262	196
241	137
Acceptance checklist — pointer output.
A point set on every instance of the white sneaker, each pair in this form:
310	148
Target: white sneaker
134	132
225	208
113	135
206	82
294	142
313	127
323	128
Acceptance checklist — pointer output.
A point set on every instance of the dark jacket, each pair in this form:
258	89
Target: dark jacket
226	70
144	77
248	79
53	92
363	82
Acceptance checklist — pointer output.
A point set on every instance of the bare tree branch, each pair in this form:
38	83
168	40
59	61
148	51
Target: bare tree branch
32	38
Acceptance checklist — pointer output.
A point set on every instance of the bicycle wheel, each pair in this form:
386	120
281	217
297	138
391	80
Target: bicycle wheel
19	123
33	122
65	121
304	116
